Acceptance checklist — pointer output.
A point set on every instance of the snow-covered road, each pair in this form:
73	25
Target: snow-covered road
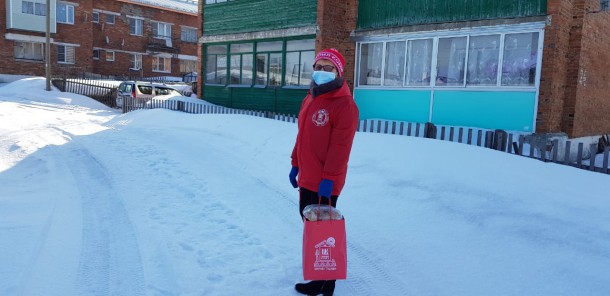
93	202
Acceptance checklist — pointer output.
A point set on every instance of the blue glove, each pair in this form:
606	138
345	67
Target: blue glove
293	176
326	188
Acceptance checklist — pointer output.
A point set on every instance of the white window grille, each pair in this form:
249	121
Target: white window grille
29	51
65	13
65	54
135	26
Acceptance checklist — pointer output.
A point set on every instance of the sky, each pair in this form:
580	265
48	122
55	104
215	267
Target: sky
157	202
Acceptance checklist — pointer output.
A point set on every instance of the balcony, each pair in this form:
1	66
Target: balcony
163	44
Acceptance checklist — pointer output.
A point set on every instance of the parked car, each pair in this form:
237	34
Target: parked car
142	92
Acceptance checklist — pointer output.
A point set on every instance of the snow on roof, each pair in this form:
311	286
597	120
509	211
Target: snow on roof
181	5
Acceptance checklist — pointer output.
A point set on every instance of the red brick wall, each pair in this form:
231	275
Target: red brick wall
592	95
125	44
554	66
78	33
573	87
336	20
88	35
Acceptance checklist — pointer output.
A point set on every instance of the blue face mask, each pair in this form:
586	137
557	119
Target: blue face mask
321	77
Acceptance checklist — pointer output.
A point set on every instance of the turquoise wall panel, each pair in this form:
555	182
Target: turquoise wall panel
400	105
507	110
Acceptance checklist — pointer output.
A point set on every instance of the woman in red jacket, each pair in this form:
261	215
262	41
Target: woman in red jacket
327	123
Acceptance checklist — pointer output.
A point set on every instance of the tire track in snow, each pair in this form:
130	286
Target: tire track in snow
110	258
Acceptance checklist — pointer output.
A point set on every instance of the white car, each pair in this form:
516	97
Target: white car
142	92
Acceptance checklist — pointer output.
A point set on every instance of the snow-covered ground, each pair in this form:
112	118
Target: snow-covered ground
155	202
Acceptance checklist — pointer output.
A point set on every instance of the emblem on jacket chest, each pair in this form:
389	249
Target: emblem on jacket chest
320	118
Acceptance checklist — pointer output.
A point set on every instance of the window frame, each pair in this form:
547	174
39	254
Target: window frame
155	30
95	19
135	59
108	16
69	53
155	62
37	9
96	56
299	85
215	60
224	55
112	53
240	54
188	64
137	20
69	8
31	45
186	37
535	29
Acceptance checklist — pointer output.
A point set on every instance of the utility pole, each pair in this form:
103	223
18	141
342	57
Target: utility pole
48	47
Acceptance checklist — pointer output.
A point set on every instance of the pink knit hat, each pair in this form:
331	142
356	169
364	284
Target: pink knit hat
334	56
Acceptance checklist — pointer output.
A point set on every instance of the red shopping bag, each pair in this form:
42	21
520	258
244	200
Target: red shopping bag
324	250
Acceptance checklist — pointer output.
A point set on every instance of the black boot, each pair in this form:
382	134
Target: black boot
326	288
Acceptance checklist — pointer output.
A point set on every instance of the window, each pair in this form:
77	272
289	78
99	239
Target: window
450	62
136	62
469	60
604	4
135	26
109	56
483	56
299	62
394	63
188	34
96	54
65	13
419	62
110	18
216	64
371	57
95	17
242	63
161	64
162	30
65	54
29	51
269	63
188	66
520	59
214	1
29	7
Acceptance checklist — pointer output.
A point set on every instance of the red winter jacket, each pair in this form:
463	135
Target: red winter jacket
327	124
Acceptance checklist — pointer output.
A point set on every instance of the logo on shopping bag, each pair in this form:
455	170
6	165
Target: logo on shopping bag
324	255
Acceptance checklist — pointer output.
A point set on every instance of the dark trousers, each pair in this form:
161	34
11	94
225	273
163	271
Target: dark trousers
308	197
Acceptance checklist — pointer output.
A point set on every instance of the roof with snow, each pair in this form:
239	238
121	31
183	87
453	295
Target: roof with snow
180	5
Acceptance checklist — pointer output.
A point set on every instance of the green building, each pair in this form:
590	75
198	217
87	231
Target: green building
521	65
259	55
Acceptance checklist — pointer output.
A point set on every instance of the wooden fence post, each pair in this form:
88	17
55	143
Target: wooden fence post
592	156
566	156
429	130
579	156
605	162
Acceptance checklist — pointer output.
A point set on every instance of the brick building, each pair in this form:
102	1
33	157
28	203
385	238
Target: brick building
523	65
141	38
